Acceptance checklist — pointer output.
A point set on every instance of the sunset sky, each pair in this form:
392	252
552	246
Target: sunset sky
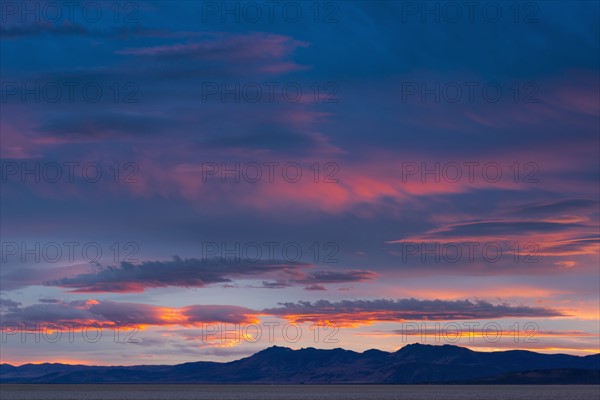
202	180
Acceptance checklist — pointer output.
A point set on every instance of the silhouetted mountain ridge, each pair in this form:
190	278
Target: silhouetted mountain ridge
411	364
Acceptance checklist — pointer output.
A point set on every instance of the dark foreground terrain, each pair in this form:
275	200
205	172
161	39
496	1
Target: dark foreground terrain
298	392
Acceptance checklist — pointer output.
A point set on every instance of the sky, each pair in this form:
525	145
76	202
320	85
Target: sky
186	181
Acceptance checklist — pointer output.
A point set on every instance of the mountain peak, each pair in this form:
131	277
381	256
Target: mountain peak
275	350
418	352
426	346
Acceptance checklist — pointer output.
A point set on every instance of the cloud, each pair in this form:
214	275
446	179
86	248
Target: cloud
571	246
31	316
499	229
193	272
336	277
51	301
315	287
556	235
557	207
17	275
361	312
9	305
316	280
34	30
111	314
38	29
261	52
226	314
224	45
105	125
566	264
190	272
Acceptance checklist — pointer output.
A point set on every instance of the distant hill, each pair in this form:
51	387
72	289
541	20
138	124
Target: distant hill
412	364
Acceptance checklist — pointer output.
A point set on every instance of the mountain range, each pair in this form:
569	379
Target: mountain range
412	364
